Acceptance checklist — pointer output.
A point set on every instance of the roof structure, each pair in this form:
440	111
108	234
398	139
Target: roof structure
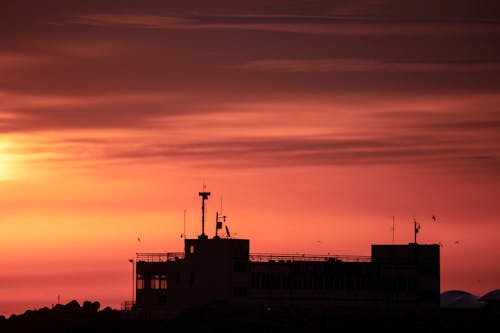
459	299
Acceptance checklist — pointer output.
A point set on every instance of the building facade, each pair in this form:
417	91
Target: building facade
222	269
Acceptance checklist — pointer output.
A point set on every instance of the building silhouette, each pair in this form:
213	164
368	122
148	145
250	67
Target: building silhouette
222	270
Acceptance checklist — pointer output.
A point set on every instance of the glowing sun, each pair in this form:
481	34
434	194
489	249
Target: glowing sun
4	162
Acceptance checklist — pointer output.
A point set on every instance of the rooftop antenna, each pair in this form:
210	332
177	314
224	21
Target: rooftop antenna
219	219
416	228
184	234
204	196
392	230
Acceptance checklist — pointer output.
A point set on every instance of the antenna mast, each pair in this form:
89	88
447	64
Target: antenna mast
218	221
184	234
204	196
393	230
416	228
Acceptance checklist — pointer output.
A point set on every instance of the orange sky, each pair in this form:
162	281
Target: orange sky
316	122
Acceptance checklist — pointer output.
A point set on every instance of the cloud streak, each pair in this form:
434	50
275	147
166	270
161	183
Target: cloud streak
316	25
317	151
367	65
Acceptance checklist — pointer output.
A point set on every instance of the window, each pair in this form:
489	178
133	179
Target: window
159	281
155	281
139	284
191	248
240	291
240	266
191	279
163	281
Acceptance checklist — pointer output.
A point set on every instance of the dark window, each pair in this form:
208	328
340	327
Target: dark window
240	291
428	269
428	295
240	266
412	284
163	299
191	278
158	281
139	284
163	281
155	281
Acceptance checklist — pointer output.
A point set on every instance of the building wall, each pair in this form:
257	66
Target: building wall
213	270
418	260
219	270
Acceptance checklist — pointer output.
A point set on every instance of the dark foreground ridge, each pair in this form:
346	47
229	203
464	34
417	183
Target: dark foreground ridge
226	318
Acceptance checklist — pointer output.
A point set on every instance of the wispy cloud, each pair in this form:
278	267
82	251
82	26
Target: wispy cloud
32	113
317	151
437	136
367	65
13	61
135	20
320	25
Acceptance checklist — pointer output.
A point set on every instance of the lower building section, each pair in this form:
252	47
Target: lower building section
210	271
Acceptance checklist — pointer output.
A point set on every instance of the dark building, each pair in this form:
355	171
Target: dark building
222	269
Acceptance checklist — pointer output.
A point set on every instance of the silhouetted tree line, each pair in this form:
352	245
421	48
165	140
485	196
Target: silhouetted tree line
70	311
73	318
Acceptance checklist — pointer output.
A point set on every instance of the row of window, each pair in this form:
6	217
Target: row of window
342	282
159	281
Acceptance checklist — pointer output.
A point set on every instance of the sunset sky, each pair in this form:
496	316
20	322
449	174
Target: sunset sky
313	122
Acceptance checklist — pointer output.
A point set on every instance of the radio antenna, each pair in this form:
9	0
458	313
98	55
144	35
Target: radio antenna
393	230
204	196
219	219
184	234
416	228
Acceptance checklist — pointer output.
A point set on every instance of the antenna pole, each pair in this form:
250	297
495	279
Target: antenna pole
184	224
416	228
393	230
204	196
216	224
415	233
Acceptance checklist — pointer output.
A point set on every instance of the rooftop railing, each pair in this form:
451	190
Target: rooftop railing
259	257
160	257
272	257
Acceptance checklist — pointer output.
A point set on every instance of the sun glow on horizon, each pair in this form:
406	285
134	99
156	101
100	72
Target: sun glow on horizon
5	170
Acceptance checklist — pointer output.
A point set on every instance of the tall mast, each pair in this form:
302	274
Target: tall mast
393	230
416	228
204	196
